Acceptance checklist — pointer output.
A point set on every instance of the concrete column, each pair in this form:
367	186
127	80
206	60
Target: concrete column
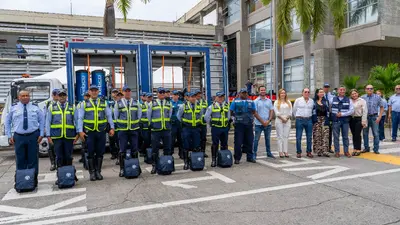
219	28
243	52
201	18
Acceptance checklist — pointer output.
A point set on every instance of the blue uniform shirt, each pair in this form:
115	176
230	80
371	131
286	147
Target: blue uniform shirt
263	108
179	114
81	114
394	102
175	108
242	104
49	117
15	119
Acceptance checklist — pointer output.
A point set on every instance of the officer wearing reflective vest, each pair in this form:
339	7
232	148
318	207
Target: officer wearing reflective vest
86	96
203	127
190	116
144	123
61	121
92	123
114	142
48	103
218	117
127	113
176	125
159	116
244	111
341	109
142	100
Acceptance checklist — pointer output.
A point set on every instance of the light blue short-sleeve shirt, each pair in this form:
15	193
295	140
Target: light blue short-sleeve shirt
394	102
263	108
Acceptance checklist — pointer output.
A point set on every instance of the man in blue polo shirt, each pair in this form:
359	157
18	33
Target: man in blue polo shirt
394	112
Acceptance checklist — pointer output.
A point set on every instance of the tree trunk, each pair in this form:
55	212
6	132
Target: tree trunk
109	19
307	58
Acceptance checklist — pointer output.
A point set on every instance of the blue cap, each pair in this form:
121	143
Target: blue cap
243	90
191	94
167	90
327	85
62	91
175	92
143	94
55	91
115	90
220	94
93	86
149	94
126	88
197	91
160	89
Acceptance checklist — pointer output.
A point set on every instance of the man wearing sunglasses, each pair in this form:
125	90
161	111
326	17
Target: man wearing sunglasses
394	112
374	102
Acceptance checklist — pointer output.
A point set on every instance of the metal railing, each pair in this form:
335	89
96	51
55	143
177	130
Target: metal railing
30	53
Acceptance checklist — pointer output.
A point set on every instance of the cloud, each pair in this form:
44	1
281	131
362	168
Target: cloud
161	10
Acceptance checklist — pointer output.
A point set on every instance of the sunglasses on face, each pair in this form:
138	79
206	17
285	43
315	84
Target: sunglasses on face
161	92
370	88
306	92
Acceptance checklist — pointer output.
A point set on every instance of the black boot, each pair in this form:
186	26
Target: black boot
121	164
52	157
214	149
180	153
91	169
186	159
203	148
117	162
98	168
82	159
154	163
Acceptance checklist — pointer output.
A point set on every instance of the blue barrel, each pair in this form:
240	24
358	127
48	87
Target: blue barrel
81	84
99	79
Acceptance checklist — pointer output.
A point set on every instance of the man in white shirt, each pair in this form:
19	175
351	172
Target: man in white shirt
302	110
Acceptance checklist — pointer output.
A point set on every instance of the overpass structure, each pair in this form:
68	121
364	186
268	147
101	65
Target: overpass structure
196	14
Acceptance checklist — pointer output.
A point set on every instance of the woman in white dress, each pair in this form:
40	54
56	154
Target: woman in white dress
283	112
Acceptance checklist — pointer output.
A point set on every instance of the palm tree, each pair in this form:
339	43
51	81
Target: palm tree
360	10
109	14
311	16
385	78
351	82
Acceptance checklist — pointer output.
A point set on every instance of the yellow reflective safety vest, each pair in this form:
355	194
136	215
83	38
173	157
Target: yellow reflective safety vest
144	121
160	115
95	115
219	115
62	122
204	106
191	116
128	118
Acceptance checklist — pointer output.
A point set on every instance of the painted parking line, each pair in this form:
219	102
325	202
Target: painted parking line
208	198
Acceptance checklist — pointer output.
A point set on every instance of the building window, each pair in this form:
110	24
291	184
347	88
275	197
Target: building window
233	11
261	76
296	34
253	5
361	12
24	45
294	75
260	36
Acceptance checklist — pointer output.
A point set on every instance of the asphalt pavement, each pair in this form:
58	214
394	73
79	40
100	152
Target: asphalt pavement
358	190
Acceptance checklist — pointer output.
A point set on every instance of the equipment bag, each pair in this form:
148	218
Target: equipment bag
224	158
132	168
165	165
148	158
66	176
25	180
196	161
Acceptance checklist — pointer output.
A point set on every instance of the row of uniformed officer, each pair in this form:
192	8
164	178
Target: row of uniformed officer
26	120
92	123
48	103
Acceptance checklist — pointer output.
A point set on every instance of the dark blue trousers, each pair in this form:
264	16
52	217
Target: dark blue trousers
191	138
63	148
220	135
96	144
176	136
244	138
131	136
165	137
26	151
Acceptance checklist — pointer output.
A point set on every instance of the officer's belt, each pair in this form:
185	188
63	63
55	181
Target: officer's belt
27	134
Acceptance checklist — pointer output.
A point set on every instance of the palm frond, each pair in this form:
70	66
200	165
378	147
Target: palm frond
124	6
318	17
283	21
385	78
351	82
304	13
355	16
338	10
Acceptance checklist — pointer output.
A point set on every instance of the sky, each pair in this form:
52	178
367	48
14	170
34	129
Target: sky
160	10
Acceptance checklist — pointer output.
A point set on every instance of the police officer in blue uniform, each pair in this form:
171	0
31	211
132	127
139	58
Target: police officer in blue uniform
167	94
114	142
127	113
159	116
218	116
145	124
244	111
86	96
52	154
92	123
203	128
26	121
190	116
176	125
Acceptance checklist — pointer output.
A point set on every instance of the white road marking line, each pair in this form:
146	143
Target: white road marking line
17	210
42	215
207	199
42	190
287	163
64	203
214	175
52	177
176	171
332	170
